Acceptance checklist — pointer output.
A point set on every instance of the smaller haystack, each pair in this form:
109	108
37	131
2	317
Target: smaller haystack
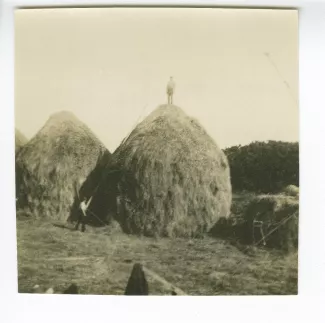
20	140
52	167
171	177
277	215
291	190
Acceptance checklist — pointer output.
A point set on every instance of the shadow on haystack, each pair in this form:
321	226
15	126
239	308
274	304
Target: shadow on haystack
100	186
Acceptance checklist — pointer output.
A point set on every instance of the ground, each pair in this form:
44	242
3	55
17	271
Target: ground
100	261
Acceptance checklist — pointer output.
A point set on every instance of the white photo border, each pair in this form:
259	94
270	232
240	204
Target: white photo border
306	307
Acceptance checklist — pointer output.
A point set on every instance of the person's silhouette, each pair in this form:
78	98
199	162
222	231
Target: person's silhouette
83	214
170	90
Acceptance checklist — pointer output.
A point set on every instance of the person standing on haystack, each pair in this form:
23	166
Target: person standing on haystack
170	90
83	214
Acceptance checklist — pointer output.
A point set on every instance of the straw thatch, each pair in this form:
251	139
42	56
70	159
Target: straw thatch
52	166
291	190
277	214
171	178
20	140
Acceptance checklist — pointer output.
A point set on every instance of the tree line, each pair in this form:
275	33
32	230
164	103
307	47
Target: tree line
264	167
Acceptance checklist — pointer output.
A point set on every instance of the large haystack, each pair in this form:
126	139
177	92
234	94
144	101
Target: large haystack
172	180
52	166
20	140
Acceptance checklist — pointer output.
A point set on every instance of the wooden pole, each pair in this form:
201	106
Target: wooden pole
168	286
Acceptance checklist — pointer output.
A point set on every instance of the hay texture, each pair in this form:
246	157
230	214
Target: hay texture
279	216
20	140
173	179
52	166
291	190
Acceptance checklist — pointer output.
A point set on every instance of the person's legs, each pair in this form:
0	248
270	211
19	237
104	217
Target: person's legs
78	222
83	224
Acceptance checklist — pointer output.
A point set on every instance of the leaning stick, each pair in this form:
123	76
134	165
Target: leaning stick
164	282
74	258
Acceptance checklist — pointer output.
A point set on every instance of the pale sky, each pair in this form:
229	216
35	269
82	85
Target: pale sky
110	68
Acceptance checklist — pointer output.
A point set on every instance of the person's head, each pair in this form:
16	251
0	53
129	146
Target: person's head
171	77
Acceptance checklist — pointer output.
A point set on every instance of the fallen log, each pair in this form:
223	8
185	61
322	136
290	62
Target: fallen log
168	286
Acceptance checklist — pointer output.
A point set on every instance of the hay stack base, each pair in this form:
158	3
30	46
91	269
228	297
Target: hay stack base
173	179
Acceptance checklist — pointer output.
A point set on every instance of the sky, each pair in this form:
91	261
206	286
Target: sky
236	70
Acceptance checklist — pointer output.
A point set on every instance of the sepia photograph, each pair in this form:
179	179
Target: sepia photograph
157	151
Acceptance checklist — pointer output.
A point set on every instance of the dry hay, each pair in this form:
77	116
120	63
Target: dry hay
291	190
53	165
171	178
279	215
20	140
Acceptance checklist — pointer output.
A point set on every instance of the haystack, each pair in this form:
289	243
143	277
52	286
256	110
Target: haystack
291	190
279	215
171	177
276	215
20	140
52	166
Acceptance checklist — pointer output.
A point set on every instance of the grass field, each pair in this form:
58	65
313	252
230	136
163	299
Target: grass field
100	262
